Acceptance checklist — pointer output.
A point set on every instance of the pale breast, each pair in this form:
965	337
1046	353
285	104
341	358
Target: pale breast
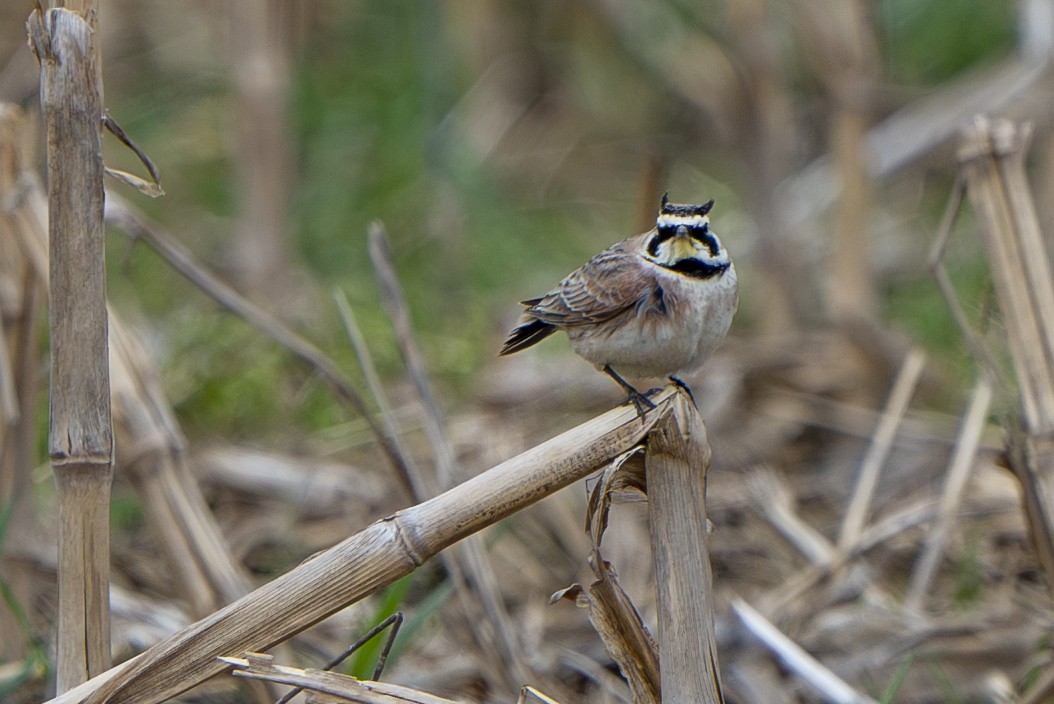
673	338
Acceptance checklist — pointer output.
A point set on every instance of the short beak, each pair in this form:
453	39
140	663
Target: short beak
682	244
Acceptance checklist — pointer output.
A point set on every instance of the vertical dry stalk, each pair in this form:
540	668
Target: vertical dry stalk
80	434
837	38
677	459
992	161
22	336
759	117
149	443
261	63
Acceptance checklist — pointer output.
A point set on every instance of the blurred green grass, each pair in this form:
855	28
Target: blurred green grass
375	93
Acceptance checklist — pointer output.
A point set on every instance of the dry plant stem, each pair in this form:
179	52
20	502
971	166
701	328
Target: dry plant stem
80	436
611	612
8	396
376	388
626	637
787	601
885	433
149	443
399	313
368	561
467	563
342	687
944	281
138	227
825	682
18	439
854	291
528	691
394	622
261	68
639	660
20	338
151	449
992	163
987	157
839	40
774	500
958	472
677	460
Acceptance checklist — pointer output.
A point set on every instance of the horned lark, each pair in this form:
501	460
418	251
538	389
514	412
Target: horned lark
653	305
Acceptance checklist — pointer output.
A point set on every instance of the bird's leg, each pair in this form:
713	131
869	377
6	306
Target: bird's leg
641	402
679	383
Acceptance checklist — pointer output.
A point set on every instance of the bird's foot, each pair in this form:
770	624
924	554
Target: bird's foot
679	383
640	401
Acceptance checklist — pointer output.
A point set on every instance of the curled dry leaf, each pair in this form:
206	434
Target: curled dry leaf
147	188
622	480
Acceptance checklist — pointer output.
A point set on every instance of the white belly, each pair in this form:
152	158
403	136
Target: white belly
698	315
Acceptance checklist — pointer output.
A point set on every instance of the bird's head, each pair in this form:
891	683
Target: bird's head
682	241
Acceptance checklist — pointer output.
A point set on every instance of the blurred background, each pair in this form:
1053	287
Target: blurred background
502	144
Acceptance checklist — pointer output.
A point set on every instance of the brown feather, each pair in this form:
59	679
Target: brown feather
603	288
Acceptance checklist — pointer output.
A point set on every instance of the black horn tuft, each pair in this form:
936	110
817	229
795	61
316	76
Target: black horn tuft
705	207
687	210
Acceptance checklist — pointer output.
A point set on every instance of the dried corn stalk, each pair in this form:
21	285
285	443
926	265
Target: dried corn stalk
992	166
80	433
367	561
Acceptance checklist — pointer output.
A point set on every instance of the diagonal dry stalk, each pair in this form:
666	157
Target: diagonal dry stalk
467	563
881	444
80	435
341	688
368	560
795	658
958	473
856	534
137	226
152	451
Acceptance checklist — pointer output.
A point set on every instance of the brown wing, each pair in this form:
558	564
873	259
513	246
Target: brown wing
604	287
607	285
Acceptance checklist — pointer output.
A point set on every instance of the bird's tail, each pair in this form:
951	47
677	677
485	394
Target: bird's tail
529	332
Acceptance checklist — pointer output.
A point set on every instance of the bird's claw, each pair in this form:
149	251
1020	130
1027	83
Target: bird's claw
642	403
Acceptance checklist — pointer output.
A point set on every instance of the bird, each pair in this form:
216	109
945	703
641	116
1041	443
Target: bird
653	305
